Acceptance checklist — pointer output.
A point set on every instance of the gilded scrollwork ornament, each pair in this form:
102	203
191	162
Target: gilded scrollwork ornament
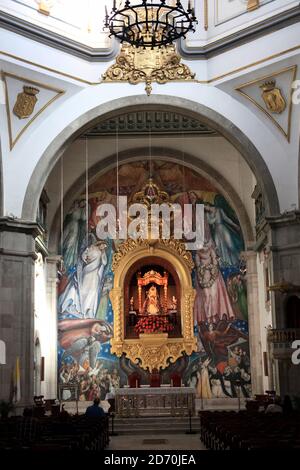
172	244
153	350
137	65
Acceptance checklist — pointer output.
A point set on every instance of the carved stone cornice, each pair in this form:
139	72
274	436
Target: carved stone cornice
287	335
10	224
272	224
32	229
283	220
160	122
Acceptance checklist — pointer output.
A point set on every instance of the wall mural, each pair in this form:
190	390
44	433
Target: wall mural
221	366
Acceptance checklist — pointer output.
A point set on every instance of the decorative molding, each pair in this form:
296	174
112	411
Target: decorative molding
160	122
284	288
170	244
280	103
248	66
204	82
238	38
10	224
44	36
5	75
56	40
153	351
137	65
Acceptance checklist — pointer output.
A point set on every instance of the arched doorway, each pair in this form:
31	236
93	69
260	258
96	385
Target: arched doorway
198	111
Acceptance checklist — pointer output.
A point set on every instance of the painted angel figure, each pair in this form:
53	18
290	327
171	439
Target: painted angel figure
226	235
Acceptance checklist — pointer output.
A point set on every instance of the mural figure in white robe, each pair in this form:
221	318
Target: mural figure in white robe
82	295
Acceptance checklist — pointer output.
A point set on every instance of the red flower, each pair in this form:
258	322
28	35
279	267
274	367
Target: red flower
153	324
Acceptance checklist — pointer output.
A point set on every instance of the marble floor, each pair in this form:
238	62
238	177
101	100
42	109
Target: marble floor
156	442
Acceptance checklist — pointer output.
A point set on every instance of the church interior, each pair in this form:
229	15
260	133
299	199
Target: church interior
149	225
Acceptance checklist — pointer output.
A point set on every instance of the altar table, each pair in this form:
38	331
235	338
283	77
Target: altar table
150	401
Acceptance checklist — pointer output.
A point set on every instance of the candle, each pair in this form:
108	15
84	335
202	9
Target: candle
171	382
136	384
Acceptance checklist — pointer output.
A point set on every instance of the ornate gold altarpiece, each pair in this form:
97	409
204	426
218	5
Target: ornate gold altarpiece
153	350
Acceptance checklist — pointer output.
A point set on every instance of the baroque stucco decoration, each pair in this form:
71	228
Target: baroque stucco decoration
153	351
272	94
137	65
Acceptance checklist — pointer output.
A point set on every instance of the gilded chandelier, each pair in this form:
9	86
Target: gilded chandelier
150	23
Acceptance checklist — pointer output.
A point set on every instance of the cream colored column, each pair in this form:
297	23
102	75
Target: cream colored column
254	323
50	383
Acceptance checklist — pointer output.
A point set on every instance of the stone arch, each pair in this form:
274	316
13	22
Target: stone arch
195	110
168	154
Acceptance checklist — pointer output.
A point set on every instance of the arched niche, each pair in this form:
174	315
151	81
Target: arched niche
153	351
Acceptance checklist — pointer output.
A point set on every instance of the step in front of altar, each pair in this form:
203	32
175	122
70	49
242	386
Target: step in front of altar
155	425
220	404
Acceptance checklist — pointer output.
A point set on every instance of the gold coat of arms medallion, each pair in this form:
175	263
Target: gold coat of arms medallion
26	102
273	97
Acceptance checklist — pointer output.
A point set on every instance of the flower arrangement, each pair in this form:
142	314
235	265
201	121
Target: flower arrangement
153	324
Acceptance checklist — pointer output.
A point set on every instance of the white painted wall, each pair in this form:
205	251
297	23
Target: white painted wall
73	75
35	143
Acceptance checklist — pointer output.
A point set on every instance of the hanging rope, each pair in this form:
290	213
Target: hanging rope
61	210
117	157
183	161
150	148
87	191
